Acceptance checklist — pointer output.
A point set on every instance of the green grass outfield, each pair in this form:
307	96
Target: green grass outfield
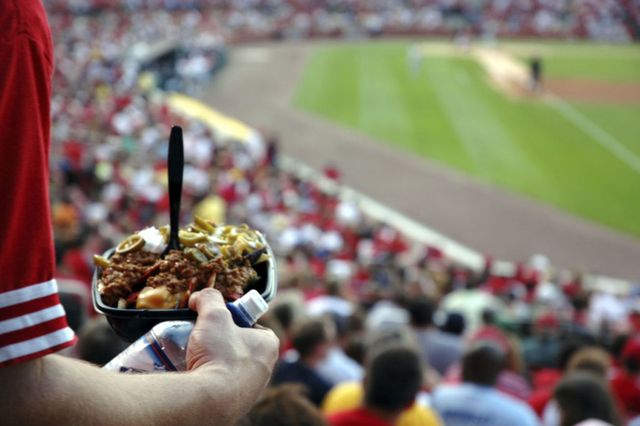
448	112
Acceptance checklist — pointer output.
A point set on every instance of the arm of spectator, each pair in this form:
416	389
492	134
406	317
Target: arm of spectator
229	366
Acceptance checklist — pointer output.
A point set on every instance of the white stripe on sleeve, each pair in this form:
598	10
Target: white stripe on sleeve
31	319
30	292
36	344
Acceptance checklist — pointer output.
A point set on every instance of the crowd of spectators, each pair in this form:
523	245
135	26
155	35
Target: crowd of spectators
267	19
369	320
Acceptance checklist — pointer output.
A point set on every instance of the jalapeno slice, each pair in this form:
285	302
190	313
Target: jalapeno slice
195	228
101	261
133	243
191	238
204	225
195	254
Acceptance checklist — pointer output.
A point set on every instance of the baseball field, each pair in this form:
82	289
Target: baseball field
575	144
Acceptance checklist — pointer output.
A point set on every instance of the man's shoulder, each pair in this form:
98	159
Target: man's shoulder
513	406
456	392
293	365
288	370
452	389
285	369
465	401
445	339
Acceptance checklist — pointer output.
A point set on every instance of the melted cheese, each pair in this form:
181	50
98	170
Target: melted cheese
157	298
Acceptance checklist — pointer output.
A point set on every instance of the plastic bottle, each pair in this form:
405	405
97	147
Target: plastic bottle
164	347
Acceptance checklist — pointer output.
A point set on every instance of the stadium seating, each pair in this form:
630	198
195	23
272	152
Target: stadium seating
111	122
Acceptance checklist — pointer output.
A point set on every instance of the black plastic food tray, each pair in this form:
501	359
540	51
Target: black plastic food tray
130	324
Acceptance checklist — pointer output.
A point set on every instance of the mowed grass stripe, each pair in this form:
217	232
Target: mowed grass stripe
448	112
621	122
478	127
385	111
597	134
333	71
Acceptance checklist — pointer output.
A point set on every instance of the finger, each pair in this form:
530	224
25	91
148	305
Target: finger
211	308
207	297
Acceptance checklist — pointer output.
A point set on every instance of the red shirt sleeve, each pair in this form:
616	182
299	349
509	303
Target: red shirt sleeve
32	320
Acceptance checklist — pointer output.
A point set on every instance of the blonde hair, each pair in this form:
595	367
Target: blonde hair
592	359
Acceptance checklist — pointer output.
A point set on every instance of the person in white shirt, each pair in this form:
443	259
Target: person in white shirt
476	401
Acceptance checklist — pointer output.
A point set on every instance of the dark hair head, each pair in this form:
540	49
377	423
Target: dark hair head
356	350
452	322
488	316
583	396
393	378
284	314
421	311
308	335
284	405
332	288
482	363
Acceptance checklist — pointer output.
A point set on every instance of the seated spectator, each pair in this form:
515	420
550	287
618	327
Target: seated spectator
283	315
338	367
330	303
311	342
625	381
510	381
386	314
283	405
588	359
545	380
541	350
471	302
439	349
392	381
476	400
583	397
349	395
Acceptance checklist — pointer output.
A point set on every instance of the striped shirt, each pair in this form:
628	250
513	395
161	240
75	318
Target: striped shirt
32	320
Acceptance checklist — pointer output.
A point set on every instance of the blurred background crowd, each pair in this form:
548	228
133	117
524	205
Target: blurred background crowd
356	296
251	19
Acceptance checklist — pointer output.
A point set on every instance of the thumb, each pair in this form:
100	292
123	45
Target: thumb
203	300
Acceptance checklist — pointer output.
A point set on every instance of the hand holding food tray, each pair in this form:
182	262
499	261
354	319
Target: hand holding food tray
149	276
136	288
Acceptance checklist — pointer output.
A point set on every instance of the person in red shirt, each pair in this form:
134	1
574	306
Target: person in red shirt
392	381
37	387
625	380
32	321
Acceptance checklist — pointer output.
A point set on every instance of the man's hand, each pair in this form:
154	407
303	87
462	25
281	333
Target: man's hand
230	367
246	355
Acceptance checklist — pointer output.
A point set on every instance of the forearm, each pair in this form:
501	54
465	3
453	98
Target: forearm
56	390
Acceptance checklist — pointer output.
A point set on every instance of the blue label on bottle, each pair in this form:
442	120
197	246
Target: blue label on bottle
160	360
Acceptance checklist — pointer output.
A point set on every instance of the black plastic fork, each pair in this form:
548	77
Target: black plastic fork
175	161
